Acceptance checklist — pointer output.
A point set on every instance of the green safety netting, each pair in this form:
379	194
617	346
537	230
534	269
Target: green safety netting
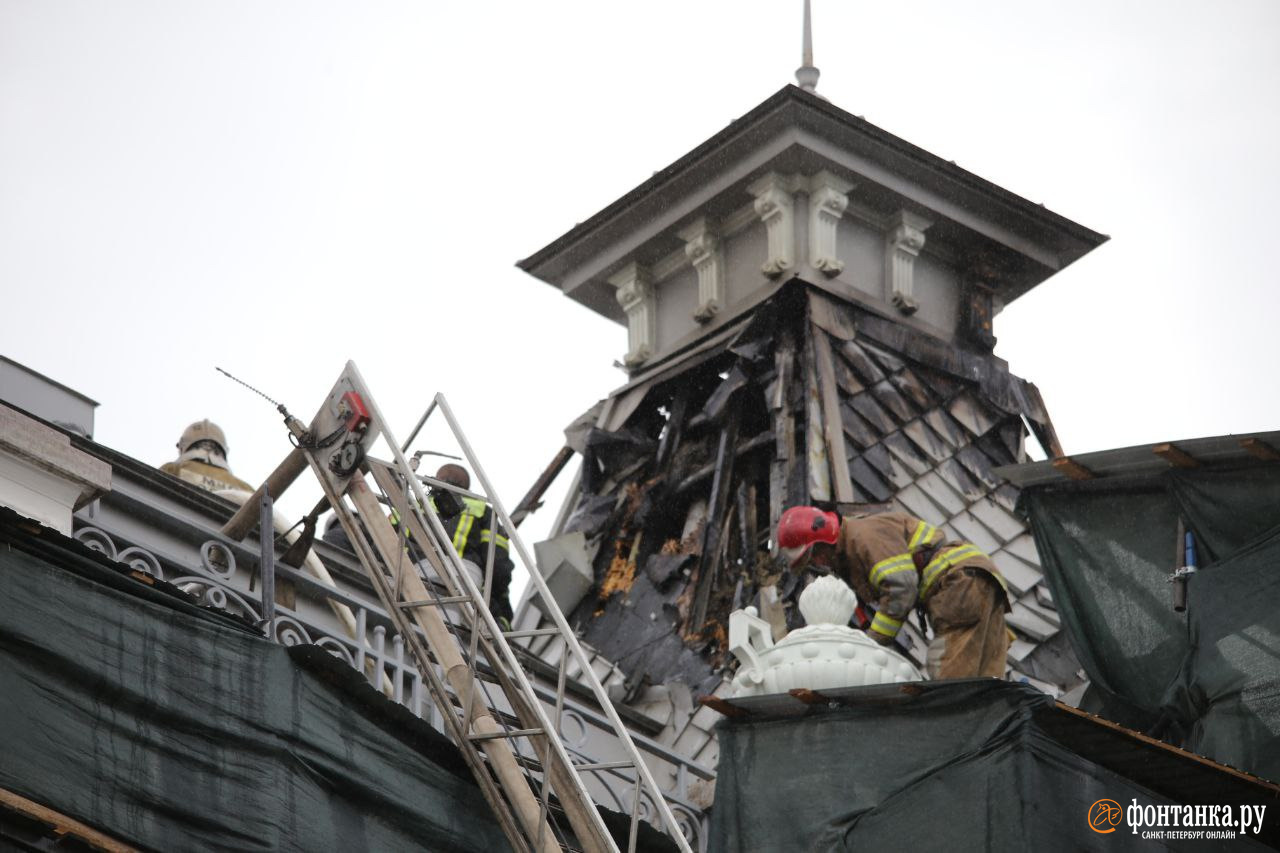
173	728
1207	679
967	765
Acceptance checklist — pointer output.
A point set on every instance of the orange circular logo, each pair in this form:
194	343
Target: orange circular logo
1104	816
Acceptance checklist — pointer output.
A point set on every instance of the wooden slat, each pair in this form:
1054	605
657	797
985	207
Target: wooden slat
1260	449
1175	456
62	824
837	455
531	501
1069	467
807	696
1263	784
721	706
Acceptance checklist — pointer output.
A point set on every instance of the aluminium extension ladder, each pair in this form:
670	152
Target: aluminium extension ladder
458	663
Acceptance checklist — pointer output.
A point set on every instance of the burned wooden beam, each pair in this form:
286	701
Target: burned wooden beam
762	440
709	561
1175	456
718	403
837	454
670	440
1072	469
531	501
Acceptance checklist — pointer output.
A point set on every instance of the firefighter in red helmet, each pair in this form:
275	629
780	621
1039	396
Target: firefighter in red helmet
895	562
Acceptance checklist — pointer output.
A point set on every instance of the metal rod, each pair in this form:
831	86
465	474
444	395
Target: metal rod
606	765
508	733
533	632
267	560
435	602
417	429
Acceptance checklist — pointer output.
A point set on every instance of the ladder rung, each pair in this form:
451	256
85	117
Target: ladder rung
605	765
434	602
509	733
536	632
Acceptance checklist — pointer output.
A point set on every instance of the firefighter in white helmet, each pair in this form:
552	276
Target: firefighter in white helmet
202	459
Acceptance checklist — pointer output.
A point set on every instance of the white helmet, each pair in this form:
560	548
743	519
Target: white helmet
205	430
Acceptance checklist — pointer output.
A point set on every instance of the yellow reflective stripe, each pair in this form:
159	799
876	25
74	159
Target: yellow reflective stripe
940	564
888	566
909	567
886	625
474	506
503	542
922	536
462	532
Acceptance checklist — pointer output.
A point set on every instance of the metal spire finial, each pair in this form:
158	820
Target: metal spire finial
807	74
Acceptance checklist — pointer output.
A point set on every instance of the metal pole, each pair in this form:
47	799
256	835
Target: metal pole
267	560
421	422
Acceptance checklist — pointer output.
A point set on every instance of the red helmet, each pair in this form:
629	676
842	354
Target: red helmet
801	527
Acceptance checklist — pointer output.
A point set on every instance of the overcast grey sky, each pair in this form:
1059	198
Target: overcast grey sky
276	187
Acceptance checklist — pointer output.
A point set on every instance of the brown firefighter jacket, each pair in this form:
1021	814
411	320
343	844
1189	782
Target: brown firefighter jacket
208	477
894	561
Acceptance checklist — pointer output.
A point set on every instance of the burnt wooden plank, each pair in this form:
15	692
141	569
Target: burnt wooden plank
675	428
979	464
718	403
947	427
887	395
863	365
857	428
1013	436
531	501
832	428
847	382
888	361
906	453
959	478
865	404
708	563
831	317
912	388
929	444
882	460
972	414
870	482
783	428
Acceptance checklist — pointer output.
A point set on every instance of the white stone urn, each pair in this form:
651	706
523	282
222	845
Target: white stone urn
825	654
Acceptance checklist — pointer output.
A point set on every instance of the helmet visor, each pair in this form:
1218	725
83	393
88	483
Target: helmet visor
798	556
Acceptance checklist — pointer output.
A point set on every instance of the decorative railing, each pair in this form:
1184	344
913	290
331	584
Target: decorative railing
223	575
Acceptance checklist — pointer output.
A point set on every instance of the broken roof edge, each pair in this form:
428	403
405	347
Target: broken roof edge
1145	459
791	94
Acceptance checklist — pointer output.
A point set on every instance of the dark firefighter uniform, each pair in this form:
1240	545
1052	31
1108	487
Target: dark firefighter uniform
472	529
898	561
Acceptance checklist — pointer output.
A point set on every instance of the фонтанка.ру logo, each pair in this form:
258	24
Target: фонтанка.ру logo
1105	816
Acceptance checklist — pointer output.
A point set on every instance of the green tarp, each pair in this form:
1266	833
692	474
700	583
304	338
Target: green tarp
966	765
173	728
1207	679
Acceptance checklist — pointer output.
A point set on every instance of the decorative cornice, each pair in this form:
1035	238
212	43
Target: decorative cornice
775	205
902	245
704	251
635	294
828	200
